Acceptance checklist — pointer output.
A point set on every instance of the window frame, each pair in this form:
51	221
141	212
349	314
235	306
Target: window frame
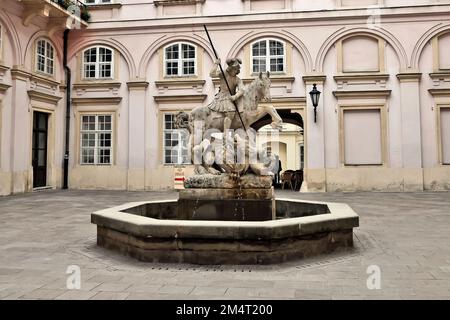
97	2
435	42
97	63
96	133
383	132
179	146
268	56
440	107
46	58
382	45
180	60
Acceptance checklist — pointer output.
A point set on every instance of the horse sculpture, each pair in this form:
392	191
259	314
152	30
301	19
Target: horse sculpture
202	119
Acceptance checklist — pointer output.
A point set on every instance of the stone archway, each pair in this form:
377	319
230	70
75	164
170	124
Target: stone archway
286	114
291	141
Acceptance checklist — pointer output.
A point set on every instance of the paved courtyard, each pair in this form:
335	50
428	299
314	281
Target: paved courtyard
405	234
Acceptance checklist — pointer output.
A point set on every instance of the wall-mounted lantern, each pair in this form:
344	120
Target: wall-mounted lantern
315	96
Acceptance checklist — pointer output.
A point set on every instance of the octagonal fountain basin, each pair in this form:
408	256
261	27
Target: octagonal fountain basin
152	231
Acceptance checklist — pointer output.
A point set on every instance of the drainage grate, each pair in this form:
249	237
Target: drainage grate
362	241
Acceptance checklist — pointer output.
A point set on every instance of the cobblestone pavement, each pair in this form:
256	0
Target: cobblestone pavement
405	234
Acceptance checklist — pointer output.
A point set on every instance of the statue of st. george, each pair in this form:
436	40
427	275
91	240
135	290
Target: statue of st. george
224	100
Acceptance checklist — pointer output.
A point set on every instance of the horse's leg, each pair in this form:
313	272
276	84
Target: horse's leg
277	121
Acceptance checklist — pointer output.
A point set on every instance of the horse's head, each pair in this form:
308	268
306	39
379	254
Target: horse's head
263	87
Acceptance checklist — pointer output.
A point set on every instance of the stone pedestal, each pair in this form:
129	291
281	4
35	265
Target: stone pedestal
225	181
249	198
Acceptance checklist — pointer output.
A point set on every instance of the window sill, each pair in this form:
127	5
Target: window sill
362	71
362	93
175	2
274	78
44	77
272	74
86	84
104	6
180	82
174	78
362	166
442	74
361	76
93	80
112	102
198	98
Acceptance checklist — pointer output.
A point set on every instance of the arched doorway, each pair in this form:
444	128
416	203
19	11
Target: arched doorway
287	144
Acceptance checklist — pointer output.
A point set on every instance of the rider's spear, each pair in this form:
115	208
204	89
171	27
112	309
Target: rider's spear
225	78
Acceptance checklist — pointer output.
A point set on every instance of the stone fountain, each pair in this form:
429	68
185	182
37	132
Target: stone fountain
228	212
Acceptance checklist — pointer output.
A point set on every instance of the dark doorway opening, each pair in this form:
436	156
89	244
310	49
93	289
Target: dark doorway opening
39	158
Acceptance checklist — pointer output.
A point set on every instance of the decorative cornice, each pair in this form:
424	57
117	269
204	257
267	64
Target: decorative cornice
439	92
4	68
105	6
289	99
4	87
311	79
181	98
93	84
44	97
41	79
409	77
363	94
19	74
286	102
361	76
273	79
137	85
176	2
96	101
180	82
439	75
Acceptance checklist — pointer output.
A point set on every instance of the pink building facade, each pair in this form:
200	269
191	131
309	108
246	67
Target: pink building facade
383	67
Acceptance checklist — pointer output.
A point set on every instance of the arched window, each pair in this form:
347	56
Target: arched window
45	57
180	60
98	63
268	55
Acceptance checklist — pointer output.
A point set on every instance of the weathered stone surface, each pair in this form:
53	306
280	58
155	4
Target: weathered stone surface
341	217
226	181
227	242
215	252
